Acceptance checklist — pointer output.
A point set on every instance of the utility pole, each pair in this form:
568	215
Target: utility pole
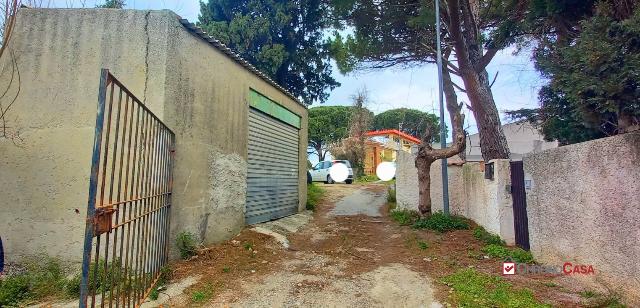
443	134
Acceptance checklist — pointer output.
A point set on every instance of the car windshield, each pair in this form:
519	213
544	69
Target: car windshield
346	162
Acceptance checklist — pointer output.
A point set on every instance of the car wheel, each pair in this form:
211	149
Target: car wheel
349	181
330	180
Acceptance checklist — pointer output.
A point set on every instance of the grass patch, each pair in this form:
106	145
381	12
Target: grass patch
367	179
187	244
490	239
42	279
474	289
203	294
423	245
314	193
516	254
404	217
441	223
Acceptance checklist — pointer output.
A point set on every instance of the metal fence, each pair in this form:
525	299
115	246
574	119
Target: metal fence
127	231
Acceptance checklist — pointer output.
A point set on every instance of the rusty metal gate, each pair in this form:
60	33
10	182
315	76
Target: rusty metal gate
127	230
518	193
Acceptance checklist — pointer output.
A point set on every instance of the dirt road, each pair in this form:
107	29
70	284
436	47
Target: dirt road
348	253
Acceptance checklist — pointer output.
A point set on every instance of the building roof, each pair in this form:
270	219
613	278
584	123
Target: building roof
395	132
191	27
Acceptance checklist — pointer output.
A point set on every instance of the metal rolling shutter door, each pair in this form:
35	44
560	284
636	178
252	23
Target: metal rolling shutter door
272	175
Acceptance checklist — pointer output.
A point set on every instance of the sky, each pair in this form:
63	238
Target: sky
516	86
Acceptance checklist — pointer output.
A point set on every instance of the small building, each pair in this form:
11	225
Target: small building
383	145
522	139
240	138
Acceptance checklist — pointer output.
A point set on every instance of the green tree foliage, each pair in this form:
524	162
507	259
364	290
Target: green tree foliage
327	124
112	4
590	52
283	39
402	33
413	122
557	119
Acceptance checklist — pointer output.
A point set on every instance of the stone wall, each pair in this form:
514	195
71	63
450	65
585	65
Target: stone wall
487	202
584	207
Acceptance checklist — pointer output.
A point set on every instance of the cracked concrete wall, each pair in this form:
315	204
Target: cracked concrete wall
200	93
584	207
207	105
59	53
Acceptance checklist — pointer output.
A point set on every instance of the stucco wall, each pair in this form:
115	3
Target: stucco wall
407	184
584	207
487	202
199	92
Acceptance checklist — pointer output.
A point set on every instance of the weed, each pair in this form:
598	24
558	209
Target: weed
422	245
442	223
248	246
550	284
42	279
154	294
391	195
203	294
474	255
187	244
367	179
198	296
404	217
392	206
516	254
226	269
474	289
594	299
314	193
14	290
483	235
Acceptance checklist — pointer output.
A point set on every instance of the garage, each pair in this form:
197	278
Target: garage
273	161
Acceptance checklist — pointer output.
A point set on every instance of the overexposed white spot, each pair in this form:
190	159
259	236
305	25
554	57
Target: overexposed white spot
386	171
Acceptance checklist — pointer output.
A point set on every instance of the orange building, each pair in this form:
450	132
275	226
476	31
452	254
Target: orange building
385	146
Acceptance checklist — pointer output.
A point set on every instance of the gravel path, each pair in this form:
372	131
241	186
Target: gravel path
326	269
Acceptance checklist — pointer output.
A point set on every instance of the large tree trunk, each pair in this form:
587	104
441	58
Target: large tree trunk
465	35
493	143
427	155
423	164
451	99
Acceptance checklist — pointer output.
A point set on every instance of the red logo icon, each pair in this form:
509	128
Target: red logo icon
508	268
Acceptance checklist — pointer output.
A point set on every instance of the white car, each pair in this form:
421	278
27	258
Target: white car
320	172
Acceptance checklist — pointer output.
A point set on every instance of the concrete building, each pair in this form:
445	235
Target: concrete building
522	138
228	118
383	145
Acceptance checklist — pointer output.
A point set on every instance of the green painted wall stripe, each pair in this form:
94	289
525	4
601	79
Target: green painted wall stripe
266	105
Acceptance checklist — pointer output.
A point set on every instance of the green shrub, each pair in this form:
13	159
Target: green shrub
475	289
441	223
490	239
391	195
404	217
422	245
187	244
314	193
516	254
